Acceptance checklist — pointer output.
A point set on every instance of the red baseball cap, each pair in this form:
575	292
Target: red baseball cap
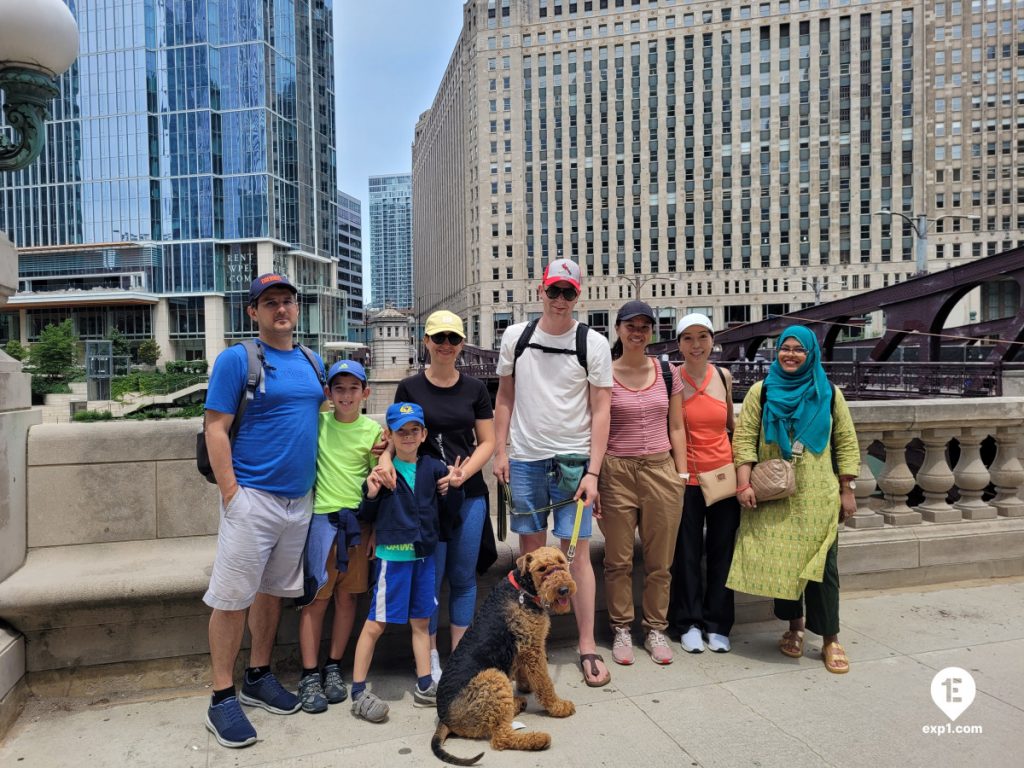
562	270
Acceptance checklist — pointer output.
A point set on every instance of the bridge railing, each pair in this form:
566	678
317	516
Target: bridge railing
868	379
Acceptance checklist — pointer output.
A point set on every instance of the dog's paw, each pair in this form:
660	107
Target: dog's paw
520	704
562	708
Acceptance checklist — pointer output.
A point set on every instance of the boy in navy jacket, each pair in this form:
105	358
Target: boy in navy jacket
407	522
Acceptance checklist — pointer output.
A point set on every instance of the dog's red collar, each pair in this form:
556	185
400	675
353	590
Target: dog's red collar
522	592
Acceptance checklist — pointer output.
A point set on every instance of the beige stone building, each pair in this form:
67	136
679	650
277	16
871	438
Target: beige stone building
729	157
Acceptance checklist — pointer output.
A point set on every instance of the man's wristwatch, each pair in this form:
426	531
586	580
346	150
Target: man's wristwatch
851	484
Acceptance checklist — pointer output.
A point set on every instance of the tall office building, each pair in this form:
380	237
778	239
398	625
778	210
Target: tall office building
730	157
350	262
192	147
391	241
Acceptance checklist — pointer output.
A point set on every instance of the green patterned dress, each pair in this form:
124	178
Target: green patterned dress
781	545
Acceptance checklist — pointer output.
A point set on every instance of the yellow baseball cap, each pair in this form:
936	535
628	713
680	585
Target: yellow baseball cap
443	320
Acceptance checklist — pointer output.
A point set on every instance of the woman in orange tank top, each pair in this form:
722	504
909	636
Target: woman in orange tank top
702	610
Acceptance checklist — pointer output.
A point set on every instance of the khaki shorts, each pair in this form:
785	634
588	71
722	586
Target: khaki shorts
259	548
356	579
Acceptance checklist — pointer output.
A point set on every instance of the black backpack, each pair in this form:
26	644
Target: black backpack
254	354
524	341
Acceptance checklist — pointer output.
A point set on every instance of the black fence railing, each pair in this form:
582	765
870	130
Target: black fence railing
867	379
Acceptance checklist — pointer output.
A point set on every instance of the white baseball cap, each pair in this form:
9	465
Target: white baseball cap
692	319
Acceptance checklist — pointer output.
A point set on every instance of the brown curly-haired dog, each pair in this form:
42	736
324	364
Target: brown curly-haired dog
506	641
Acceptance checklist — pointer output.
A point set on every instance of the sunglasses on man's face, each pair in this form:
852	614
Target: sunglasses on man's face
553	292
451	337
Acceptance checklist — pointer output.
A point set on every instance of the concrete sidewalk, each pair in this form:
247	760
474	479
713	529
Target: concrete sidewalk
752	707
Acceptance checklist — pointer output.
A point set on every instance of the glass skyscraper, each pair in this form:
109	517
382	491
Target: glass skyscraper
391	240
192	147
350	261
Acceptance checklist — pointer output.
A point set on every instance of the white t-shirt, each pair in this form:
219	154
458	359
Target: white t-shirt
551	415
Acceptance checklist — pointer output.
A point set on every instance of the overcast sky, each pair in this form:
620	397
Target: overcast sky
390	56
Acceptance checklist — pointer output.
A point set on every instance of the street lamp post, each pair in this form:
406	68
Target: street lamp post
919	224
38	42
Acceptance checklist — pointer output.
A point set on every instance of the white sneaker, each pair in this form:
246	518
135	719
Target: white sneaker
435	666
692	641
719	643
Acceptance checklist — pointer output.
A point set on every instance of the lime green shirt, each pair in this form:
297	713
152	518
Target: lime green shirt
343	461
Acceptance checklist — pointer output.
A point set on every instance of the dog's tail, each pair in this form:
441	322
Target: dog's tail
436	744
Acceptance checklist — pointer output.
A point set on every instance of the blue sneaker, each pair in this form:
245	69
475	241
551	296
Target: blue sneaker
268	693
229	725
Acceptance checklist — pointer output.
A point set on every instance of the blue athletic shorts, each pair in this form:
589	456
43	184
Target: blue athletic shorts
402	590
534	484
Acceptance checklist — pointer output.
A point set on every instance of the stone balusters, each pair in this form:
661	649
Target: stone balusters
972	477
1007	473
865	517
896	480
936	478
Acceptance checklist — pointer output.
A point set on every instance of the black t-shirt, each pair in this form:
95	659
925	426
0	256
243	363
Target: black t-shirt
451	414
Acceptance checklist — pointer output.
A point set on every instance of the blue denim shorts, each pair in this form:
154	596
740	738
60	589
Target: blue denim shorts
534	484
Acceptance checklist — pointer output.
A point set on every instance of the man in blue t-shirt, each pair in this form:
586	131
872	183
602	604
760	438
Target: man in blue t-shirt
265	480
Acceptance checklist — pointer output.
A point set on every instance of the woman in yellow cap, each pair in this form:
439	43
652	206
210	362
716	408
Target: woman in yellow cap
460	424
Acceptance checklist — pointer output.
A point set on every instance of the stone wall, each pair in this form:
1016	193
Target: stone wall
119	529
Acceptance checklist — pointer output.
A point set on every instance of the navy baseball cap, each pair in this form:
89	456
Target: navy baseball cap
269	280
400	414
351	367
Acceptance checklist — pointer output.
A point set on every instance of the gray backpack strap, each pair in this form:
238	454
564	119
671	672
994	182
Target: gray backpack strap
252	381
311	357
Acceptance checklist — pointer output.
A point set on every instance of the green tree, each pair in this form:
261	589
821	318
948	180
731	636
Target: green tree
52	359
16	349
120	345
149	352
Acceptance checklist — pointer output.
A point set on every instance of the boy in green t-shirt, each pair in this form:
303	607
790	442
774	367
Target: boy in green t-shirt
337	547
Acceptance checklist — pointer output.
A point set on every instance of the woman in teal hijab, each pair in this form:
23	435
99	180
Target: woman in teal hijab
799	407
787	549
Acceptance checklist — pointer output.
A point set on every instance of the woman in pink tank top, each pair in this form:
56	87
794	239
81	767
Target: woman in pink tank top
704	609
641	484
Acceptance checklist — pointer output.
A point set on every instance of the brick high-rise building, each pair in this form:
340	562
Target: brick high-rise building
725	157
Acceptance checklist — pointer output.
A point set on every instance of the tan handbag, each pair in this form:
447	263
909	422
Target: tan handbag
718	484
773	479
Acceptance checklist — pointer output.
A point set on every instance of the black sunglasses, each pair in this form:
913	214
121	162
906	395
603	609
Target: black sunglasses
553	292
450	336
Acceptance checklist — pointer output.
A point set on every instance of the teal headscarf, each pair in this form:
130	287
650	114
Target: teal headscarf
799	405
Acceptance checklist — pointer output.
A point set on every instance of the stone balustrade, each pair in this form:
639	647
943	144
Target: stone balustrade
107	560
938	423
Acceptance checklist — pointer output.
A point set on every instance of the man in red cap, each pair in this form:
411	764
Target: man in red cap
554	403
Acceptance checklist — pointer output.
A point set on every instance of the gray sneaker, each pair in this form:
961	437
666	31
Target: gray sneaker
369	707
334	686
311	694
427	698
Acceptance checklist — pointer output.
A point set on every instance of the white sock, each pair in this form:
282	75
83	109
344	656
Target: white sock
435	665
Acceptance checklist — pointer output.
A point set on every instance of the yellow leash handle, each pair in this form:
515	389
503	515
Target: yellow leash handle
571	553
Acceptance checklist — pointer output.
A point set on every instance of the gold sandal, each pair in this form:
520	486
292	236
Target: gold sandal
835	658
792	643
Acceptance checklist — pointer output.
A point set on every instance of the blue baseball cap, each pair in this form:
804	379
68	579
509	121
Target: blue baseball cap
269	280
400	414
351	367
